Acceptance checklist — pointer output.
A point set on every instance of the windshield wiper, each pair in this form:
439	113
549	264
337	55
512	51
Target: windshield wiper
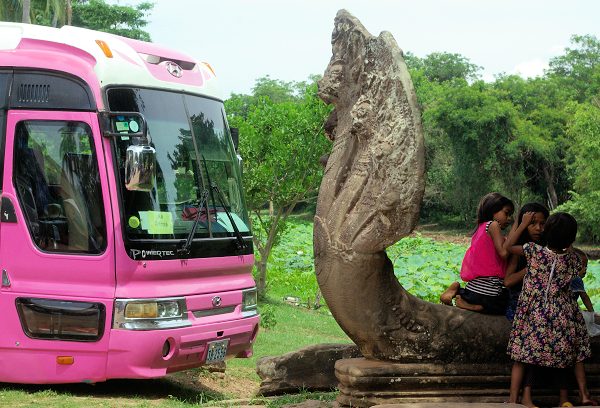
241	244
185	249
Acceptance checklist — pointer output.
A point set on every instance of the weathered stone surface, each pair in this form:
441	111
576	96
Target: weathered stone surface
364	383
369	198
309	404
310	368
449	405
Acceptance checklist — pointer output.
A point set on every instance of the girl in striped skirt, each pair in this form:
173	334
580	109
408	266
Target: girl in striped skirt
484	265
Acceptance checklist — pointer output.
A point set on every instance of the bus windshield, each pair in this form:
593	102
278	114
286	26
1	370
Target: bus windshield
194	158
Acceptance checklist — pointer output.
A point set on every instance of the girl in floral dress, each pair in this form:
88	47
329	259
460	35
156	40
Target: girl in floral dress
548	329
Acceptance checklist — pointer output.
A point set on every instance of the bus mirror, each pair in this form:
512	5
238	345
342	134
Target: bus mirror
124	124
140	168
235	136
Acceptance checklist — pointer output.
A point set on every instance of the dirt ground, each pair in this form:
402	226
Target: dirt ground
221	384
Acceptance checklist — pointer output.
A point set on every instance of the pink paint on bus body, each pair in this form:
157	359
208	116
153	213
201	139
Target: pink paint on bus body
42	283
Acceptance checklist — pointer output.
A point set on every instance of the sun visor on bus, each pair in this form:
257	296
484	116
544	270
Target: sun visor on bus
48	90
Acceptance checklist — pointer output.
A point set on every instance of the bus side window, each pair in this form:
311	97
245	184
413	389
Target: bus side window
58	186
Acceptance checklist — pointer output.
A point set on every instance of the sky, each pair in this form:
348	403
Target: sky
291	39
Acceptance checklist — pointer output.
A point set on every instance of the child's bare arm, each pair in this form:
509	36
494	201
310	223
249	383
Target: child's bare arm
513	277
515	233
496	234
587	302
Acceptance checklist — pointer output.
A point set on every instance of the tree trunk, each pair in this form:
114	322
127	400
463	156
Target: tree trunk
549	178
261	282
26	12
69	12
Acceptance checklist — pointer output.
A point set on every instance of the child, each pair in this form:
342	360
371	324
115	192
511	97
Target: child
484	264
548	330
516	268
577	286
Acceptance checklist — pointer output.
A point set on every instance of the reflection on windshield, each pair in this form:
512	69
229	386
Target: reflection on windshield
193	151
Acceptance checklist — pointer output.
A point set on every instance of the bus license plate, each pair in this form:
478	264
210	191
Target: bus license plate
216	351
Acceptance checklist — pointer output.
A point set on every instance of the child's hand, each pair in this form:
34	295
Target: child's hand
527	218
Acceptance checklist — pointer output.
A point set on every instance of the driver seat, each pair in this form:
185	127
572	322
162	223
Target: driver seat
74	202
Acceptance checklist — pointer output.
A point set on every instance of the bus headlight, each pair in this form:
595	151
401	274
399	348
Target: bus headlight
249	302
150	314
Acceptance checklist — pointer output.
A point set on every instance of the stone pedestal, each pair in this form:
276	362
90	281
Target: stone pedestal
364	383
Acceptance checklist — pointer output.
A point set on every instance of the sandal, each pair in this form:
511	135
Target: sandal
566	404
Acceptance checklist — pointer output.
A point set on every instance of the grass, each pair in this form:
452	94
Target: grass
295	327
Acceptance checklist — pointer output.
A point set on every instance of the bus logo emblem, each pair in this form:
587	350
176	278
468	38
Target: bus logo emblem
216	301
174	69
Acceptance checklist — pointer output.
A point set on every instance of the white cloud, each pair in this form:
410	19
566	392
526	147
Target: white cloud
531	68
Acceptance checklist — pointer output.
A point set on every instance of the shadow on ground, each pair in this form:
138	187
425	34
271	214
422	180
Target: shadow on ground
175	387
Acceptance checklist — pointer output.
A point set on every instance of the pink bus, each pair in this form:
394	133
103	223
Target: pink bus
125	250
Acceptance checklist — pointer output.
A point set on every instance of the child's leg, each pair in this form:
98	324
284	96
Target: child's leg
526	399
450	293
463	304
529	378
560	380
564	398
584	393
516	378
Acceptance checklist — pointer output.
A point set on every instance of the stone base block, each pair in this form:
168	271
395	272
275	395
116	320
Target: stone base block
450	405
364	383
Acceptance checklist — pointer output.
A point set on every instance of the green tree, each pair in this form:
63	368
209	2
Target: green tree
98	15
578	69
281	143
41	12
113	18
478	129
433	77
584	147
444	66
540	134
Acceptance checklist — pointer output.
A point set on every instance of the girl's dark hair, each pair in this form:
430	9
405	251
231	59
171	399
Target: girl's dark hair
530	207
560	230
490	204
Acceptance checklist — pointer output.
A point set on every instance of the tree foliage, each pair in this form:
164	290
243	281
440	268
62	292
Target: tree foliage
444	66
578	69
281	141
127	21
113	18
476	125
533	139
584	152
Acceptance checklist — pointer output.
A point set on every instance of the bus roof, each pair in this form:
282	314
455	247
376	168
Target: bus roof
114	60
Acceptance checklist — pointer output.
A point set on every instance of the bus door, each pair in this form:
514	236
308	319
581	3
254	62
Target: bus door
56	247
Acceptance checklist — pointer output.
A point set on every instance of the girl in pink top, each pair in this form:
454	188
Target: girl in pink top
484	265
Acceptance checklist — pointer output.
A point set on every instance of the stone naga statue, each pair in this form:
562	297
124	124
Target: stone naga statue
369	199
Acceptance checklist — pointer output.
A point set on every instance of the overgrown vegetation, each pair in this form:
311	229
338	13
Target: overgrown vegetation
282	140
424	267
127	21
533	139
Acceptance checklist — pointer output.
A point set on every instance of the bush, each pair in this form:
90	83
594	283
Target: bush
267	317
